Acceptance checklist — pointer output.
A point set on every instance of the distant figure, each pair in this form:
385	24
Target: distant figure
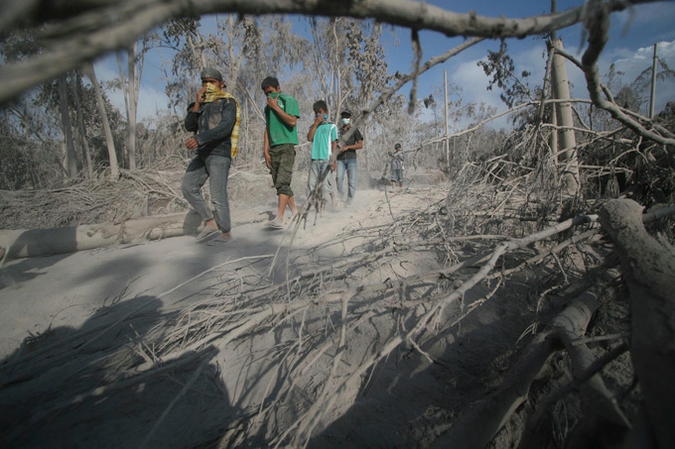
323	135
397	166
346	159
281	136
214	118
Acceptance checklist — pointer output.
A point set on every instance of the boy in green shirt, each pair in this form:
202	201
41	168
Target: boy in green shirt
281	136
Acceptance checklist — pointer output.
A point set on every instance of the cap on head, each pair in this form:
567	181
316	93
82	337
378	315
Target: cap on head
210	72
346	113
397	146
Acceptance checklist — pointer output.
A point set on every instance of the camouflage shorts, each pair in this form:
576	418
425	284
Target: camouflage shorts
282	159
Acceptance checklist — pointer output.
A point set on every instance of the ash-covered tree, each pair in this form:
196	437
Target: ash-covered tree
245	50
501	67
21	44
129	82
352	74
50	117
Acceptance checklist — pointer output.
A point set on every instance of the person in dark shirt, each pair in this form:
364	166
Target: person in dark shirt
346	159
214	118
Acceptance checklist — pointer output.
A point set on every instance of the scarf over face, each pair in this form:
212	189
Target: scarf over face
212	94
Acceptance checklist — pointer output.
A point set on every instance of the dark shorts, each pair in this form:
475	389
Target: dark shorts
397	175
282	158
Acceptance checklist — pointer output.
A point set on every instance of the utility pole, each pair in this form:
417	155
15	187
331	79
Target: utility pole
446	142
653	93
567	146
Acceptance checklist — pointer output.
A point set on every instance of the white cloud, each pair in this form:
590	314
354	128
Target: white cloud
151	102
471	78
473	81
631	64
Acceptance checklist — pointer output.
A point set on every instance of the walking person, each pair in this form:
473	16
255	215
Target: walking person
397	167
214	118
323	135
281	136
346	159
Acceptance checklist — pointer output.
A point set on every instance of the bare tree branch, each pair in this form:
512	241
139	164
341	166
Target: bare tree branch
596	90
94	27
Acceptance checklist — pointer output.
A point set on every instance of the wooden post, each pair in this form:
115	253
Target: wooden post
567	153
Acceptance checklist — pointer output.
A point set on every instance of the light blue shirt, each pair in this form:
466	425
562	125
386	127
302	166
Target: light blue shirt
324	136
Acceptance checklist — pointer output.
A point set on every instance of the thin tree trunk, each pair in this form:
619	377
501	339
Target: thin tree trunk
80	125
125	86
131	87
133	103
112	155
235	59
71	158
554	134
134	64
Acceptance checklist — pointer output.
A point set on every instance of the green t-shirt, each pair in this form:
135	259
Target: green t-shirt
280	132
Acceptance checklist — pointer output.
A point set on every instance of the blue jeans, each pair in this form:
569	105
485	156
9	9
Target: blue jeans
348	165
217	168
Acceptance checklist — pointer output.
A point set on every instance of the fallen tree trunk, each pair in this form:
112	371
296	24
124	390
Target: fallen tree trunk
485	419
649	271
47	242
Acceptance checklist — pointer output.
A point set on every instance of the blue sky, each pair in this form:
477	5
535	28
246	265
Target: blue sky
632	36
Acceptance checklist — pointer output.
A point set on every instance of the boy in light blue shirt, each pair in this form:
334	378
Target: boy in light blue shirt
324	136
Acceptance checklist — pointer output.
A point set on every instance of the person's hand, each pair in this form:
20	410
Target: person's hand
200	95
191	144
200	98
318	119
334	166
272	103
268	160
